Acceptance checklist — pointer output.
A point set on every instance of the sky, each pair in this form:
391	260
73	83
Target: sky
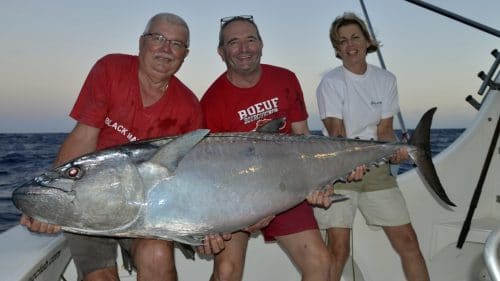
48	47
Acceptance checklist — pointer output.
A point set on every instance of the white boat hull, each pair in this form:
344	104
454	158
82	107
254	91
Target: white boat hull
438	227
30	256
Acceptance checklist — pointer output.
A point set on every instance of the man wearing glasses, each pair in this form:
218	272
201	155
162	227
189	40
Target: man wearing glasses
127	98
246	96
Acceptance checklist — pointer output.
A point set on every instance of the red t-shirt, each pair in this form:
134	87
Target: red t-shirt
110	100
228	108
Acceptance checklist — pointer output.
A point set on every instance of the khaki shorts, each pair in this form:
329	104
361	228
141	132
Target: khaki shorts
385	207
91	253
378	178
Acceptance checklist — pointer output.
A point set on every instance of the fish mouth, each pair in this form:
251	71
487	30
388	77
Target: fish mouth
24	196
31	192
44	203
28	189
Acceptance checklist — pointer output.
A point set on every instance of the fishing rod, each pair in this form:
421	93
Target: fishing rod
404	132
456	17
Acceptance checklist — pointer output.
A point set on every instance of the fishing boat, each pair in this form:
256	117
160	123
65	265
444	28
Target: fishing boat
460	243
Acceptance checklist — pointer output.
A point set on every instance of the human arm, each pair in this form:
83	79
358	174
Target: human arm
213	244
385	132
259	225
321	197
82	140
300	128
335	128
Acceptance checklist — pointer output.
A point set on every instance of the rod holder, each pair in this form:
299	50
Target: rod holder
487	79
472	101
495	53
481	75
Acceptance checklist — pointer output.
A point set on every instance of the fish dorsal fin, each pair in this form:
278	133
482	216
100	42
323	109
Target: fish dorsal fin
272	126
172	153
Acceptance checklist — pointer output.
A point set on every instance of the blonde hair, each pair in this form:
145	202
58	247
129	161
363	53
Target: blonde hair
346	19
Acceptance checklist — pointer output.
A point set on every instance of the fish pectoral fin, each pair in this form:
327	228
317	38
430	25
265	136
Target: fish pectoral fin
196	240
273	126
187	243
172	153
339	197
186	250
341	179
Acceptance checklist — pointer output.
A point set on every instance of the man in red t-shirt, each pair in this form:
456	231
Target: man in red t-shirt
242	99
127	98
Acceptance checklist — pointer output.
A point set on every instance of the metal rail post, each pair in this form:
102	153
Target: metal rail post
490	254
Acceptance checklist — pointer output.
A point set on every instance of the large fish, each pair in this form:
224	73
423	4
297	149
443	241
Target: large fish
182	188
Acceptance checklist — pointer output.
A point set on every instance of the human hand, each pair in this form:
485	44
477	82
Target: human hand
213	244
357	173
38	226
259	225
322	197
399	156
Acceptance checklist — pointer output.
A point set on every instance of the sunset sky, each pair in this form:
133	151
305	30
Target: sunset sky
48	47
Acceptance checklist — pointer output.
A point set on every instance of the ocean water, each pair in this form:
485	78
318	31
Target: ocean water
23	156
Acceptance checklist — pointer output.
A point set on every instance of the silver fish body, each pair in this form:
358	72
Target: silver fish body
182	188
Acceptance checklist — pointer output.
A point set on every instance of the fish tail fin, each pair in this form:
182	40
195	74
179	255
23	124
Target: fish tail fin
422	155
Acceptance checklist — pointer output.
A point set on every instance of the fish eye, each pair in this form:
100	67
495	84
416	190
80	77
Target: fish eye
74	172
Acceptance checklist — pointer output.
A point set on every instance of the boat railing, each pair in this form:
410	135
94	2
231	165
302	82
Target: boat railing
490	254
457	17
487	80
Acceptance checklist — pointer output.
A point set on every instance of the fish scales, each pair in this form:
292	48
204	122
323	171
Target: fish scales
249	183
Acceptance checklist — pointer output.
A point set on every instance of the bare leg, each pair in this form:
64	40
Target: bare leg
308	251
154	260
229	264
404	241
339	247
105	274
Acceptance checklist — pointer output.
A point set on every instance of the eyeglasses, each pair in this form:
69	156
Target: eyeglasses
224	21
158	40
